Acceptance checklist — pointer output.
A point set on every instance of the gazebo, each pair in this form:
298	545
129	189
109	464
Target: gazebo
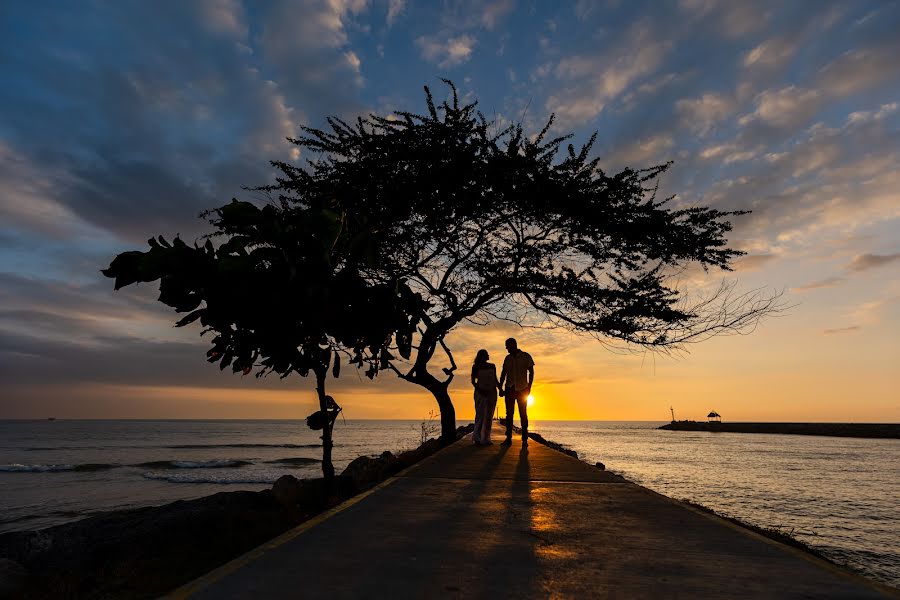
714	417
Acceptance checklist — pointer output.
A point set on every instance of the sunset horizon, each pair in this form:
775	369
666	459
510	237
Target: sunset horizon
795	120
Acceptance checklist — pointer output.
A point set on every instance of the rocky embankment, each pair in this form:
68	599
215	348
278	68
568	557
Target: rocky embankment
859	430
145	552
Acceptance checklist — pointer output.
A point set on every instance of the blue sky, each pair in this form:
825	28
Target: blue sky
122	120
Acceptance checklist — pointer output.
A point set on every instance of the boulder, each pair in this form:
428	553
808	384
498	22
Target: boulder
287	491
367	471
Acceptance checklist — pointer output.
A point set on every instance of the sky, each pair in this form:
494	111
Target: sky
123	120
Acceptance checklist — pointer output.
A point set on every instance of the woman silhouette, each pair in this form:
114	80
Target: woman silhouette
484	380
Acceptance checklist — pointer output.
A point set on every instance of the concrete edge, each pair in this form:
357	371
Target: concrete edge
189	589
843	572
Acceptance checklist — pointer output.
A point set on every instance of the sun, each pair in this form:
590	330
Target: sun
530	400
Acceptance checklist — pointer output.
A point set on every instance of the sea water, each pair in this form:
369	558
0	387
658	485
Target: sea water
839	495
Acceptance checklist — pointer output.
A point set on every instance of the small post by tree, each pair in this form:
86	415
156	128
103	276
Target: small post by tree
282	294
489	224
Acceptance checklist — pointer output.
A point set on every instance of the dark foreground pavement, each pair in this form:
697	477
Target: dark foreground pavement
474	522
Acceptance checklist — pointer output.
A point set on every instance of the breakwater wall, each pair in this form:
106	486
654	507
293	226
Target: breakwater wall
858	430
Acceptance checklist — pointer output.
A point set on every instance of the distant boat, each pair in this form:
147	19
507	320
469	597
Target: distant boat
51	418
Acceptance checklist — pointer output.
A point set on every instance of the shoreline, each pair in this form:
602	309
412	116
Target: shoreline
852	430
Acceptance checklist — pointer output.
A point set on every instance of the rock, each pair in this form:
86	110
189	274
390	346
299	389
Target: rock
288	491
366	471
464	430
307	497
13	577
600	466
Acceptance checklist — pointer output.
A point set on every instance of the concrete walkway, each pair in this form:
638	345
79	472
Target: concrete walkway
509	522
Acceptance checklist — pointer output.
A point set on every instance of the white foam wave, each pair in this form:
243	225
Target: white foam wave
209	478
194	464
207	464
19	468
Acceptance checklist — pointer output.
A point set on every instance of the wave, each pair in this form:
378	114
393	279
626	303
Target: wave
206	478
63	514
44	448
300	460
86	467
189	446
175	447
193	464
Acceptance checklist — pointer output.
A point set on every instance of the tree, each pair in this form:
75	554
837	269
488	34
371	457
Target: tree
492	224
283	294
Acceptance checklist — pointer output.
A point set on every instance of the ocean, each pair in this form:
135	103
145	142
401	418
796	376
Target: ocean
839	495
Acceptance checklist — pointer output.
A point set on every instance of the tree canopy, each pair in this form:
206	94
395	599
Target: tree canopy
489	223
282	294
398	229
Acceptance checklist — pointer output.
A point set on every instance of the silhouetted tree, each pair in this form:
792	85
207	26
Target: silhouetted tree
493	224
282	294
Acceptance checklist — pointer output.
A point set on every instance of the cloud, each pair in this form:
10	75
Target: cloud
654	149
753	262
590	81
494	11
702	113
773	53
839	177
849	329
869	312
729	153
729	19
864	262
307	47
650	88
28	198
821	283
716	151
787	107
395	9
584	8
148	143
868	116
860	69
447	52
225	16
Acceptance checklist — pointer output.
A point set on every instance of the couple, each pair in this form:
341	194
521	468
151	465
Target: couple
518	377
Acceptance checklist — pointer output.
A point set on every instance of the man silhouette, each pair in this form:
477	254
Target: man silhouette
518	377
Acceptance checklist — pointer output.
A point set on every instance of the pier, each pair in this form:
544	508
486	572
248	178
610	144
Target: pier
857	430
497	521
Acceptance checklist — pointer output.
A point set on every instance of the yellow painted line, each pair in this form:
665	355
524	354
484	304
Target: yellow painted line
189	589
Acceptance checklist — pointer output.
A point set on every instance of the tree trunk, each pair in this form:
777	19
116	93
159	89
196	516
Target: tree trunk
440	391
327	444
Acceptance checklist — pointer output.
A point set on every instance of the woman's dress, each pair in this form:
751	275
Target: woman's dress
485	401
